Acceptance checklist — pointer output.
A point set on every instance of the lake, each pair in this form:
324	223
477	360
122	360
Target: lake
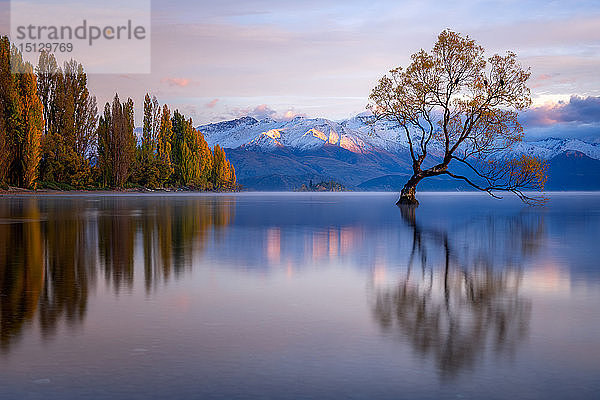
299	295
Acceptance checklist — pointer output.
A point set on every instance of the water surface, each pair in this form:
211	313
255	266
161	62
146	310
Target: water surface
298	295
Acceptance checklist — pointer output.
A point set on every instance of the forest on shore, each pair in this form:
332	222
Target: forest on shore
51	135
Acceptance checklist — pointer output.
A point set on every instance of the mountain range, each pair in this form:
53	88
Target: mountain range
283	155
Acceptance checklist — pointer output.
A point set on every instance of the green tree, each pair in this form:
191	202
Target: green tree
223	173
186	152
163	146
106	148
206	162
116	143
47	74
71	117
218	168
148	165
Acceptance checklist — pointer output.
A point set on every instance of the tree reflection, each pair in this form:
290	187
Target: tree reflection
459	299
116	239
70	264
21	266
173	232
52	249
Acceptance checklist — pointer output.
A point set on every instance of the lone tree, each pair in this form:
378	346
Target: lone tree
457	108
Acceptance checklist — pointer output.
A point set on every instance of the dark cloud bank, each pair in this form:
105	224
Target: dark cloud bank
577	118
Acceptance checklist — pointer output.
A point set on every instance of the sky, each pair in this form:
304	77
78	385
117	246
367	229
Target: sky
217	60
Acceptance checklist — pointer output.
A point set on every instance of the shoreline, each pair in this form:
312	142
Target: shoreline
21	191
180	192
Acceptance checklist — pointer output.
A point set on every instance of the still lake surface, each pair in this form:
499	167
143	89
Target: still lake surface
299	295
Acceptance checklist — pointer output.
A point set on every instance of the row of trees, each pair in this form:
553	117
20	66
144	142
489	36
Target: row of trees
171	151
50	132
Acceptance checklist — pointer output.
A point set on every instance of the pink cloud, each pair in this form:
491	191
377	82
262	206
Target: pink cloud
212	103
578	110
260	111
540	80
263	111
181	82
291	114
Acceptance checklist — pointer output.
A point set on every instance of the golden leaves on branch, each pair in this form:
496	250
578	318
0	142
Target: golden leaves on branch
463	102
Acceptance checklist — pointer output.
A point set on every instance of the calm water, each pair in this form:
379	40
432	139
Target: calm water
299	296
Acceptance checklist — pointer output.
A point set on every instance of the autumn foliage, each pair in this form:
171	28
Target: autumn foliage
21	119
458	108
50	133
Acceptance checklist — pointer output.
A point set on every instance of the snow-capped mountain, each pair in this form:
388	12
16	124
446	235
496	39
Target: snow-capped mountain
356	135
271	154
549	148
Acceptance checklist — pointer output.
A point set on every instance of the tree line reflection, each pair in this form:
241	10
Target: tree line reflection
460	300
52	251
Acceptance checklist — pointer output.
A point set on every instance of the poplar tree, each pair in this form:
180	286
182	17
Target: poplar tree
21	118
218	169
163	146
186	151
148	168
71	116
4	149
49	127
32	125
123	127
231	177
223	173
106	148
116	143
8	105
205	158
47	72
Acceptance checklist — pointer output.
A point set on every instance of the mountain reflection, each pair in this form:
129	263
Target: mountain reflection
459	299
52	250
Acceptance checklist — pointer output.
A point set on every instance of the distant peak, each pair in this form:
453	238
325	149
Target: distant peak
247	118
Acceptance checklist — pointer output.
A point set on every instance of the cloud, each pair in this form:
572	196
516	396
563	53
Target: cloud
263	111
212	103
188	110
181	82
291	114
540	81
577	111
253	51
578	117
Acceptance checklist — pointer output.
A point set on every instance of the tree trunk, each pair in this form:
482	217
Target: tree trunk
407	195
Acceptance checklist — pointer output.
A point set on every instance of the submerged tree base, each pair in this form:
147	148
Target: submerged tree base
407	195
407	201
